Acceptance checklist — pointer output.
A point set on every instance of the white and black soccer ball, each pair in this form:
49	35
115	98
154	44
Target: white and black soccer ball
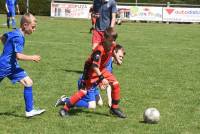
151	115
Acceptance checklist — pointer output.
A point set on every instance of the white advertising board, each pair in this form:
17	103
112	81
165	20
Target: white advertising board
70	10
146	13
181	14
141	13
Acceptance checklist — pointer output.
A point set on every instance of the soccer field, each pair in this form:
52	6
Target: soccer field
161	69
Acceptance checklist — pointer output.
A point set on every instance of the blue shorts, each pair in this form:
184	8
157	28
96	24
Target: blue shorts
11	14
91	93
15	75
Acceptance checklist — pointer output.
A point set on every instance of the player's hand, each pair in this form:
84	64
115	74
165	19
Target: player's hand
105	83
36	58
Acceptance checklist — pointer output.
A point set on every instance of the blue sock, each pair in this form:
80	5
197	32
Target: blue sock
28	98
82	103
13	23
8	22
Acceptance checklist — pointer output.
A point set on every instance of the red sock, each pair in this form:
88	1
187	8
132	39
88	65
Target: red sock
115	95
75	98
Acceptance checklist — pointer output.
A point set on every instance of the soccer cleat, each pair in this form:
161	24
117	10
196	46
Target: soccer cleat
61	101
34	112
63	112
117	112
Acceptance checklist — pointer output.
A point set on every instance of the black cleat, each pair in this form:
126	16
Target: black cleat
63	113
61	101
117	112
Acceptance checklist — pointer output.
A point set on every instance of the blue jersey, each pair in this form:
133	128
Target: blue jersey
14	44
11	4
109	66
105	10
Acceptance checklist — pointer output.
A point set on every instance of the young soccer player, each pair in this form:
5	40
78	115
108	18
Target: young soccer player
95	72
10	9
12	52
93	96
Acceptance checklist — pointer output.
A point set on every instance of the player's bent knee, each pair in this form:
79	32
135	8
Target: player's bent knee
115	83
83	91
27	81
92	105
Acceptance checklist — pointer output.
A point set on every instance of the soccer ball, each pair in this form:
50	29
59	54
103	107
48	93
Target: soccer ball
151	115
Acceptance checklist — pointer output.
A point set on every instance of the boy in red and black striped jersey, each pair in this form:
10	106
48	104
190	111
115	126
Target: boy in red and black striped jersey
95	72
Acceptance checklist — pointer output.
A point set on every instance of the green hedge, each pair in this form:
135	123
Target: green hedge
42	7
37	7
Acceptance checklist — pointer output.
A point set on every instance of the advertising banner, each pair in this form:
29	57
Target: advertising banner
140	13
181	14
145	13
70	10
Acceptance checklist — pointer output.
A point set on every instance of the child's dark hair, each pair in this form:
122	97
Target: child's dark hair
110	32
119	47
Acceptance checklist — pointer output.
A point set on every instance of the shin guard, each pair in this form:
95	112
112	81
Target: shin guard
115	95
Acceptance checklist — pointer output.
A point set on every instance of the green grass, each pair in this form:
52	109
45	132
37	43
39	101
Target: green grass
161	69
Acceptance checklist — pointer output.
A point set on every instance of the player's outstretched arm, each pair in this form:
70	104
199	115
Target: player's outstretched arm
21	56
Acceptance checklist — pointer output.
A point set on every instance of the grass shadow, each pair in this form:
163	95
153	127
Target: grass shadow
142	122
75	112
73	71
13	113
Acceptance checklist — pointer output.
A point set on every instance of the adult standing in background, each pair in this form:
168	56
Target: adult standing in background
105	13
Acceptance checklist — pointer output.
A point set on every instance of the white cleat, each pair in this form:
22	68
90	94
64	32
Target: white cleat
35	112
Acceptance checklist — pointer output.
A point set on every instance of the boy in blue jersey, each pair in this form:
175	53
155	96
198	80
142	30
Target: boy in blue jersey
10	9
93	96
12	52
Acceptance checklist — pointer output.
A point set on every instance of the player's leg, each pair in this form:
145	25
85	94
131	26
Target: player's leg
13	22
72	101
8	19
115	94
19	75
88	101
108	92
97	38
98	98
28	98
13	19
81	103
